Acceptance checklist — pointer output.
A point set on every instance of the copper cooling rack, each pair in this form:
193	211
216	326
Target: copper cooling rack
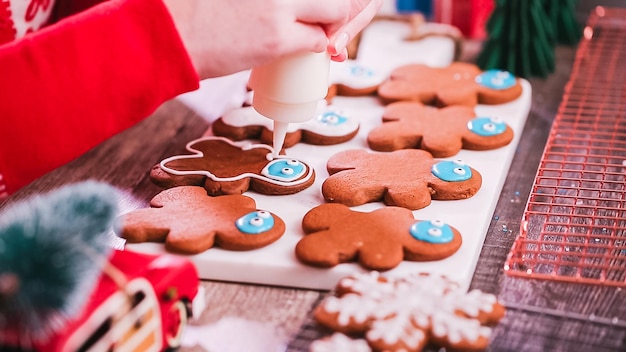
574	226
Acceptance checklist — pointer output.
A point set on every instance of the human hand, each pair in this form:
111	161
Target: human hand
362	12
224	37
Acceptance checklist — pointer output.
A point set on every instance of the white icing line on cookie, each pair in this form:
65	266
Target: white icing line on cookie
247	116
242	146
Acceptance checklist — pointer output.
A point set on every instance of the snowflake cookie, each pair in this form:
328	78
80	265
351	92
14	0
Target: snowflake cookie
407	313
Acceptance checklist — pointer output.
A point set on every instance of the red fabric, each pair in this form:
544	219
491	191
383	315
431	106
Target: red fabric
77	82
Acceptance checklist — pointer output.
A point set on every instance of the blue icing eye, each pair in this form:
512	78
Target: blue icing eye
284	169
486	126
331	118
255	222
361	71
496	79
434	231
452	171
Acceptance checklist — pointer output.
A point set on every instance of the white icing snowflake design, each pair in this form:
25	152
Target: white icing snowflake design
339	342
406	311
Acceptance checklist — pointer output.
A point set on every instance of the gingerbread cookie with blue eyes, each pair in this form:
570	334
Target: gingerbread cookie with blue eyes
408	178
230	222
378	240
442	132
351	78
222	166
458	84
331	125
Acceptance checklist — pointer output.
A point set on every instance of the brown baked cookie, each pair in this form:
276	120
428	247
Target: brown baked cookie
222	166
189	221
378	240
407	178
331	125
442	132
407	313
458	84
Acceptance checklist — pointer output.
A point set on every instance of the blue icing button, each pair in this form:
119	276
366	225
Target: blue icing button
360	71
496	79
255	222
434	231
284	169
452	171
332	118
486	126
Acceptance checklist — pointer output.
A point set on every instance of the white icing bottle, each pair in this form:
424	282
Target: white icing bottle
289	90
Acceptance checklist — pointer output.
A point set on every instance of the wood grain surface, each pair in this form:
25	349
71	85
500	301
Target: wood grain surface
541	315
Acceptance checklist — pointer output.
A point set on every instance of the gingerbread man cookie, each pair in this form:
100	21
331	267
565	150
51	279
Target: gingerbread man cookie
331	125
378	240
222	166
408	178
351	78
407	313
189	221
442	132
458	84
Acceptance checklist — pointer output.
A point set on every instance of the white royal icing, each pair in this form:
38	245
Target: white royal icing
243	146
339	342
397	306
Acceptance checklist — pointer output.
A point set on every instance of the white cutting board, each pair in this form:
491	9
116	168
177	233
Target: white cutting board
276	264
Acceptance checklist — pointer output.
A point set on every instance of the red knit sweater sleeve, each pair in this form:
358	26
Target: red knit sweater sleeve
77	82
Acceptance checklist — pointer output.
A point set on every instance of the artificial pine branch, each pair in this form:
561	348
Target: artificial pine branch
51	251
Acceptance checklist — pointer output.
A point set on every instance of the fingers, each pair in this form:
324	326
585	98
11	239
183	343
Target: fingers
343	56
345	34
322	11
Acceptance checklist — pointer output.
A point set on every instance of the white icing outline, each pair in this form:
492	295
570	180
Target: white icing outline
247	116
341	73
241	145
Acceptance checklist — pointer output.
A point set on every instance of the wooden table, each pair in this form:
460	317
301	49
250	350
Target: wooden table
541	316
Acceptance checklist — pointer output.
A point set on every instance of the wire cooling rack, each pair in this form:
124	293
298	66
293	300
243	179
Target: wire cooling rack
574	225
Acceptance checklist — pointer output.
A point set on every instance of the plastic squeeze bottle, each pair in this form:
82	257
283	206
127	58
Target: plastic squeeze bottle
289	90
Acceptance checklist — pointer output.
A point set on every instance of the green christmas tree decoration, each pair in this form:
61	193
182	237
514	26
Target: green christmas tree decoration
562	16
51	250
520	39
